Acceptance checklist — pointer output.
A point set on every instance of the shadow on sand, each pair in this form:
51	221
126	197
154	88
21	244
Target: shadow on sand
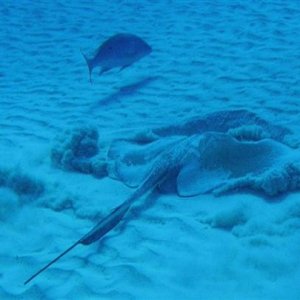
126	90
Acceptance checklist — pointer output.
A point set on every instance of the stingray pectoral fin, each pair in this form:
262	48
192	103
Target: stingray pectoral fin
131	175
194	180
128	163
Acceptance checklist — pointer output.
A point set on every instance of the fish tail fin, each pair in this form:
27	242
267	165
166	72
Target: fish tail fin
89	64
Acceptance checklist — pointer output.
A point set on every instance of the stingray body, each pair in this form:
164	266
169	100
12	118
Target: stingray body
237	150
119	51
168	162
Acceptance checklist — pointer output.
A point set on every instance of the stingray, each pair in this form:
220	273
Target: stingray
166	163
220	154
129	160
219	163
237	150
119	51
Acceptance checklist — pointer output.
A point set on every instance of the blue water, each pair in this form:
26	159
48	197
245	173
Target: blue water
225	223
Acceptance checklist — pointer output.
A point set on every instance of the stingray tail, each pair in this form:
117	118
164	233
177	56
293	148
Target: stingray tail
96	233
89	64
106	224
51	262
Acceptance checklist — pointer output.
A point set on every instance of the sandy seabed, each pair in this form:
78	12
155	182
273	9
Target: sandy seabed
207	56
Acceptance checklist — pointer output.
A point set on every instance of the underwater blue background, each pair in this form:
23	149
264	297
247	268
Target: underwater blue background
208	56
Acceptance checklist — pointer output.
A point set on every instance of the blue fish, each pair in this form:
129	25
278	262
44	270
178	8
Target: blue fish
119	51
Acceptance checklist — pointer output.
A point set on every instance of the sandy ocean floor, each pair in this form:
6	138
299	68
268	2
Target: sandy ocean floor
207	56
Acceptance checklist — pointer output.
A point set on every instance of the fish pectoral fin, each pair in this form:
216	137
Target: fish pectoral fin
124	67
103	70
